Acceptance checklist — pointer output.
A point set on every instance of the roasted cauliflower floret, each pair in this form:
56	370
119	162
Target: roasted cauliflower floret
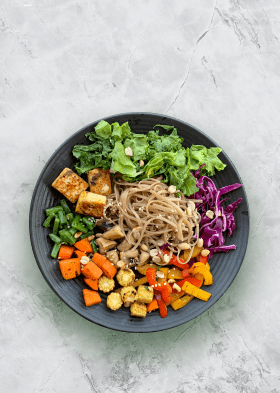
106	284
128	294
138	310
144	295
114	301
125	277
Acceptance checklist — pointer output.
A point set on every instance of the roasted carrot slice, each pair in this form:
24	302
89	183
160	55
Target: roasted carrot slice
80	254
99	259
84	245
92	271
91	297
153	305
109	269
70	268
92	283
65	252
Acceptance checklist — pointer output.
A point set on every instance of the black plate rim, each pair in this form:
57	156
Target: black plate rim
107	118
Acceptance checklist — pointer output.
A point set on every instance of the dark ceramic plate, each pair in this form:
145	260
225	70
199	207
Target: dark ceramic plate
224	266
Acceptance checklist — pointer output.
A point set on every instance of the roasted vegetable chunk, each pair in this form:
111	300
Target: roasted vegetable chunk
138	310
70	268
114	301
106	284
144	295
91	204
125	277
100	181
70	184
128	294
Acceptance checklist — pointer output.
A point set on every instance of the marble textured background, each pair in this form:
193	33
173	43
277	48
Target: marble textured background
214	64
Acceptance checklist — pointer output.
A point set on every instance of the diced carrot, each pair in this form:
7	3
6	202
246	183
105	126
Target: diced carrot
80	254
70	268
92	283
65	252
153	305
109	269
99	259
91	270
91	297
84	245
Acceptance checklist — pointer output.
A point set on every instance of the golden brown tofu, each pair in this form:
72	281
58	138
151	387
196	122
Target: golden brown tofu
91	204
138	310
144	295
70	184
100	181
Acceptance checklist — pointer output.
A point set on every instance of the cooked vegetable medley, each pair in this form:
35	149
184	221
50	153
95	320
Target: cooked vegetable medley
145	231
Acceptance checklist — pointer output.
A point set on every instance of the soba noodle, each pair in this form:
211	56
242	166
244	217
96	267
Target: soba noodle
149	214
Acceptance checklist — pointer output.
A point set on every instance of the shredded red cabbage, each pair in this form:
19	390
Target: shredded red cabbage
212	230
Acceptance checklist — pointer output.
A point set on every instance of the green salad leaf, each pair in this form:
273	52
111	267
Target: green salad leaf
153	154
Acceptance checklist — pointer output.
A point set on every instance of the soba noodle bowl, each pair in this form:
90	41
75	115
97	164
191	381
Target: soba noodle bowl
149	213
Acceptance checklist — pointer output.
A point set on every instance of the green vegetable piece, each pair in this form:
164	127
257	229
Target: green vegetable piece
53	210
200	155
56	225
48	220
80	227
70	218
62	217
121	132
103	129
121	162
65	207
139	146
55	238
84	235
72	231
67	237
55	250
77	219
94	246
90	224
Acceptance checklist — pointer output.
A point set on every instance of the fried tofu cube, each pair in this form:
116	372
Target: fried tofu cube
144	295
70	184
100	181
91	204
138	310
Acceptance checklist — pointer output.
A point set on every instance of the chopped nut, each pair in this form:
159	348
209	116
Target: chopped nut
171	189
184	246
160	274
166	258
151	289
171	281
90	238
176	286
200	243
153	252
144	247
142	163
156	259
189	212
105	189
120	264
99	234
77	234
84	260
209	214
128	151
204	253
160	242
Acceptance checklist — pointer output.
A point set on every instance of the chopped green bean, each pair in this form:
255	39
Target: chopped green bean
47	221
70	218
67	237
53	210
72	231
55	250
77	219
62	217
84	235
56	225
80	227
94	246
65	207
55	238
88	223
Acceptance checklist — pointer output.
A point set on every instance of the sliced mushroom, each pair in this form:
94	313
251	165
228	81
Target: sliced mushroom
124	246
127	255
114	233
113	256
144	256
105	244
